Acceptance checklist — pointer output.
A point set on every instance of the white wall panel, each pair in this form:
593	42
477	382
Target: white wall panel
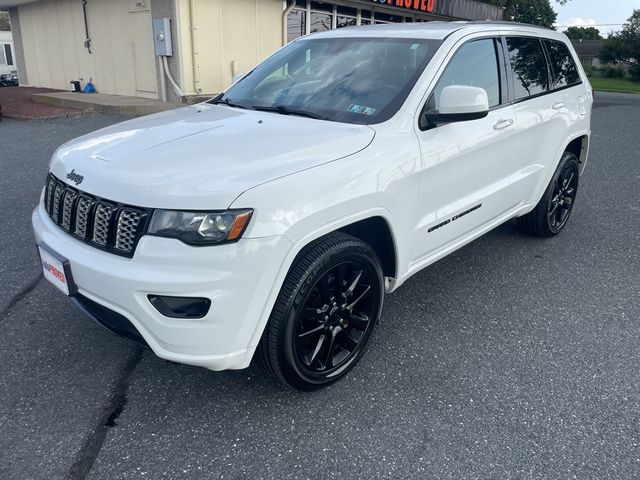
53	35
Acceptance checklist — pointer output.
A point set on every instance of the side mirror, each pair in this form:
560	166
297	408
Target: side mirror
459	103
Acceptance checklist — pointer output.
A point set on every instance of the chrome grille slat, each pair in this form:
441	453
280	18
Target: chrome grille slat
57	196
102	223
67	206
82	216
48	193
99	222
128	221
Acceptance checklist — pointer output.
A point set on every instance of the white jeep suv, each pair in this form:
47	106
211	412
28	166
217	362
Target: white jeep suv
271	219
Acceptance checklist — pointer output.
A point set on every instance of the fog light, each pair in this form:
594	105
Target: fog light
180	307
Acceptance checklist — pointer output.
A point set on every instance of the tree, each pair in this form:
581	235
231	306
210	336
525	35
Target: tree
583	33
4	22
624	47
536	12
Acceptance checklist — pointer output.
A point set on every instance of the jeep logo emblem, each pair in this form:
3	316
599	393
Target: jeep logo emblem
75	177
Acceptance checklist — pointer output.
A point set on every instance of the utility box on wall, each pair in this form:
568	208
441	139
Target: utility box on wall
162	37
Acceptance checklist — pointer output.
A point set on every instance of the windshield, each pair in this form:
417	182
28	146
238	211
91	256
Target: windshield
353	80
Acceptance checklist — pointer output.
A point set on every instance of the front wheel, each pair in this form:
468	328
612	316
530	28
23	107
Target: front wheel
554	209
326	313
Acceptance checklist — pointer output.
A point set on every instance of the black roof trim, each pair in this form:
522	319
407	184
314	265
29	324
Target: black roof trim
503	22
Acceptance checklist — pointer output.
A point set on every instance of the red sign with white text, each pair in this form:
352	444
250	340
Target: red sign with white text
428	6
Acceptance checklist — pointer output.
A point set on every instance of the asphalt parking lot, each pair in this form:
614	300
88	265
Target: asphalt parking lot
513	358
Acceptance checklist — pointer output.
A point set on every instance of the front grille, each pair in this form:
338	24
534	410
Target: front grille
102	223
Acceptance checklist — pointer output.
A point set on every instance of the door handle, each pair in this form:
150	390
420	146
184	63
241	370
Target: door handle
502	124
558	105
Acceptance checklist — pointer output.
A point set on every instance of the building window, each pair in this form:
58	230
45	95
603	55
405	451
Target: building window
346	17
381	17
311	16
342	22
347	11
7	54
296	24
3	60
320	21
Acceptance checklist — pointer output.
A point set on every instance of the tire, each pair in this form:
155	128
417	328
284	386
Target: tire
326	313
554	208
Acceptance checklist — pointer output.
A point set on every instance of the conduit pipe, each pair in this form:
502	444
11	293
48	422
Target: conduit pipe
176	88
194	46
163	83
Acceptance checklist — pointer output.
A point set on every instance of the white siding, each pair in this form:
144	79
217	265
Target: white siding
227	32
53	39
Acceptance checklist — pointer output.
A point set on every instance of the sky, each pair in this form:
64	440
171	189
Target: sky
594	12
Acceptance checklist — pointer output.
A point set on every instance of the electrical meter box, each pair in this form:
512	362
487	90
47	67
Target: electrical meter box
162	37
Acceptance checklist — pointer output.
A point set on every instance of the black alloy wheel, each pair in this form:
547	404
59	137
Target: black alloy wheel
564	194
552	212
326	313
335	317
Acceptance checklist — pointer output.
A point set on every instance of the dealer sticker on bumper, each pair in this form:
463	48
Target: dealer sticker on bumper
56	270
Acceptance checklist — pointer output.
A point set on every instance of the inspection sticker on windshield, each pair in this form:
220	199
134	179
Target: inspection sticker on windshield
353	108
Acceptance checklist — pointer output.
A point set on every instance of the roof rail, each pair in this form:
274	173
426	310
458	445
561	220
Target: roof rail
503	22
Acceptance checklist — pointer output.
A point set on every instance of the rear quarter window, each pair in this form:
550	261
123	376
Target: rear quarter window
564	72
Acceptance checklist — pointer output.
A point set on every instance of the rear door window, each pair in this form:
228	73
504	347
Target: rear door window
564	72
528	65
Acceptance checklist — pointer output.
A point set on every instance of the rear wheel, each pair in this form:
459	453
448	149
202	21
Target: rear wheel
554	209
326	313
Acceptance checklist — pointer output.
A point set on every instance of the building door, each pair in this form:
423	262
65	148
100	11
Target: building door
144	60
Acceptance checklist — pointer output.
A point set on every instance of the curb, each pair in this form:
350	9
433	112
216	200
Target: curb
616	91
80	113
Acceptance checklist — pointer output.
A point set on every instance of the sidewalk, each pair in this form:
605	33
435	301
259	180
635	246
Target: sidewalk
101	102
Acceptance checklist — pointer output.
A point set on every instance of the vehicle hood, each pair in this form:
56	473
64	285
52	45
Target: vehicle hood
202	156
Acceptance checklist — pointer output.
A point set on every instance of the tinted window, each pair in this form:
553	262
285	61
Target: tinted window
474	65
528	65
563	68
355	80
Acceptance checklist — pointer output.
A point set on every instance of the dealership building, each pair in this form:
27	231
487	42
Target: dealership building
167	49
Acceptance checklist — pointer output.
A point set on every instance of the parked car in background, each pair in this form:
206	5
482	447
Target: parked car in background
9	79
272	219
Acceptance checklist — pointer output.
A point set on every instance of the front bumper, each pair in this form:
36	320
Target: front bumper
238	279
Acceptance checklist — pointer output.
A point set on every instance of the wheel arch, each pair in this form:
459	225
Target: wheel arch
374	227
375	231
579	146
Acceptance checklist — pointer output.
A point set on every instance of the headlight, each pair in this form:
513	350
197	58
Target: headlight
200	228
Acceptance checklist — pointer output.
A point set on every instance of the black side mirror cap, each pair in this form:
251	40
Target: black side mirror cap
434	117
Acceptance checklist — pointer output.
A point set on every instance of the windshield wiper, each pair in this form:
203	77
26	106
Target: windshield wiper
229	103
289	111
